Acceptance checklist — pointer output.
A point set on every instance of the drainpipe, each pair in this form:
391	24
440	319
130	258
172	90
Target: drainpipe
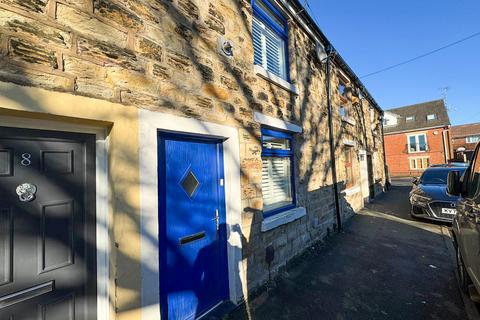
332	142
385	167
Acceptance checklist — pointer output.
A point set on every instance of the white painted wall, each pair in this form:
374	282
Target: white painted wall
364	174
391	119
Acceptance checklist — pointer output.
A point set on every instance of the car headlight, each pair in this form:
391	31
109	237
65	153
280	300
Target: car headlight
420	200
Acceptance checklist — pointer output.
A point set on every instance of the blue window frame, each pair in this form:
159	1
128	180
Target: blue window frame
277	172
270	38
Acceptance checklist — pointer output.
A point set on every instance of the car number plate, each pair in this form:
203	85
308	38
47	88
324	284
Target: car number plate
449	211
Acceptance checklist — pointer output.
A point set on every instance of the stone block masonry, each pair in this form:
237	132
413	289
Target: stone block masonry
162	55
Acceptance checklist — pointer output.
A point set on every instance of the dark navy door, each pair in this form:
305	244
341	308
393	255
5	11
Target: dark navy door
193	269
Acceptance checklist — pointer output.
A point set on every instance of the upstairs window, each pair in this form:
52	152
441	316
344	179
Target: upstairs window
410	118
473	139
277	168
417	143
432	117
342	89
270	37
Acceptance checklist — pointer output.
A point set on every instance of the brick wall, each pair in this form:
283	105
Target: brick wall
396	148
163	56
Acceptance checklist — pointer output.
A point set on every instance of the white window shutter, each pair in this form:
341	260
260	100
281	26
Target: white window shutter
269	49
276	182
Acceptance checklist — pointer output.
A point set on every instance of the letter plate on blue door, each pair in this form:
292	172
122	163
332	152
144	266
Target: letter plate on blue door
193	237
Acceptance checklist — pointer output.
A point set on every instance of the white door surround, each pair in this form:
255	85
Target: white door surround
364	175
150	123
102	192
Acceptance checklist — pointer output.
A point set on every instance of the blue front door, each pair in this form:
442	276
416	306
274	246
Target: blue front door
193	268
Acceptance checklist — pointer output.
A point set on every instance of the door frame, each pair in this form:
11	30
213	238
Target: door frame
102	195
150	123
167	135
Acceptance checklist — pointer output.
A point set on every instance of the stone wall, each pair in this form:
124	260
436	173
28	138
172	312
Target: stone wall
163	56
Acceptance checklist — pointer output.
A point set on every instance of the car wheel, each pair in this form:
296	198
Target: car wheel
463	277
411	212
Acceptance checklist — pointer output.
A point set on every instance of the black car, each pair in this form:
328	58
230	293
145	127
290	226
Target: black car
429	197
466	226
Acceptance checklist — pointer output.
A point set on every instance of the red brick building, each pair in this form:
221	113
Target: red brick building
417	137
464	140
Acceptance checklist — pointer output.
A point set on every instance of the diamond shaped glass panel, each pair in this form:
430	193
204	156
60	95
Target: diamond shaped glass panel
190	183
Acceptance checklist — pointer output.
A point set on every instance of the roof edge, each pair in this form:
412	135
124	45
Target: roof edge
304	15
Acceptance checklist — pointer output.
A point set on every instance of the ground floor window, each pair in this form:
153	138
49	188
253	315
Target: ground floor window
349	177
277	168
419	163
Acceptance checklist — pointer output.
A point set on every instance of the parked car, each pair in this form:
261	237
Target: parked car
452	164
429	197
466	225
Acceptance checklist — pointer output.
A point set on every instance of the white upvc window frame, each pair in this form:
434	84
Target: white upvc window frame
473	139
272	24
417	143
424	163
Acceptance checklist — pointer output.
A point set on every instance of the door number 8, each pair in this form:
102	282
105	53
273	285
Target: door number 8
26	159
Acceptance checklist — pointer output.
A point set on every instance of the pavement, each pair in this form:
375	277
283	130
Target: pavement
383	265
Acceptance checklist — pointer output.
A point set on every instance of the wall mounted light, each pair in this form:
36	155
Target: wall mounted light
225	47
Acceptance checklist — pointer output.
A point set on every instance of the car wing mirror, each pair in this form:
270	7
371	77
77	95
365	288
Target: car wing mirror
454	186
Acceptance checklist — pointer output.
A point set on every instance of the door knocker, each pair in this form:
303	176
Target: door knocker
26	192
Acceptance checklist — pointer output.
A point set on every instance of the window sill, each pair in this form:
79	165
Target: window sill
276	123
352	190
260	71
349	120
282	218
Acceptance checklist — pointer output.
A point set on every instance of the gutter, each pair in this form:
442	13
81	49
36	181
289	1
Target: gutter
301	16
331	52
418	129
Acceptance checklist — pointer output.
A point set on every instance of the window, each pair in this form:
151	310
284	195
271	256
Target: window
431	117
410	118
349	177
343	112
473	182
269	33
277	166
417	143
342	89
386	121
473	139
419	163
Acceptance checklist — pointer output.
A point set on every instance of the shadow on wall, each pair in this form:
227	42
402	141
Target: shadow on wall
312	166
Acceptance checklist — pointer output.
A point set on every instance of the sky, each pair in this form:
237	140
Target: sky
374	34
